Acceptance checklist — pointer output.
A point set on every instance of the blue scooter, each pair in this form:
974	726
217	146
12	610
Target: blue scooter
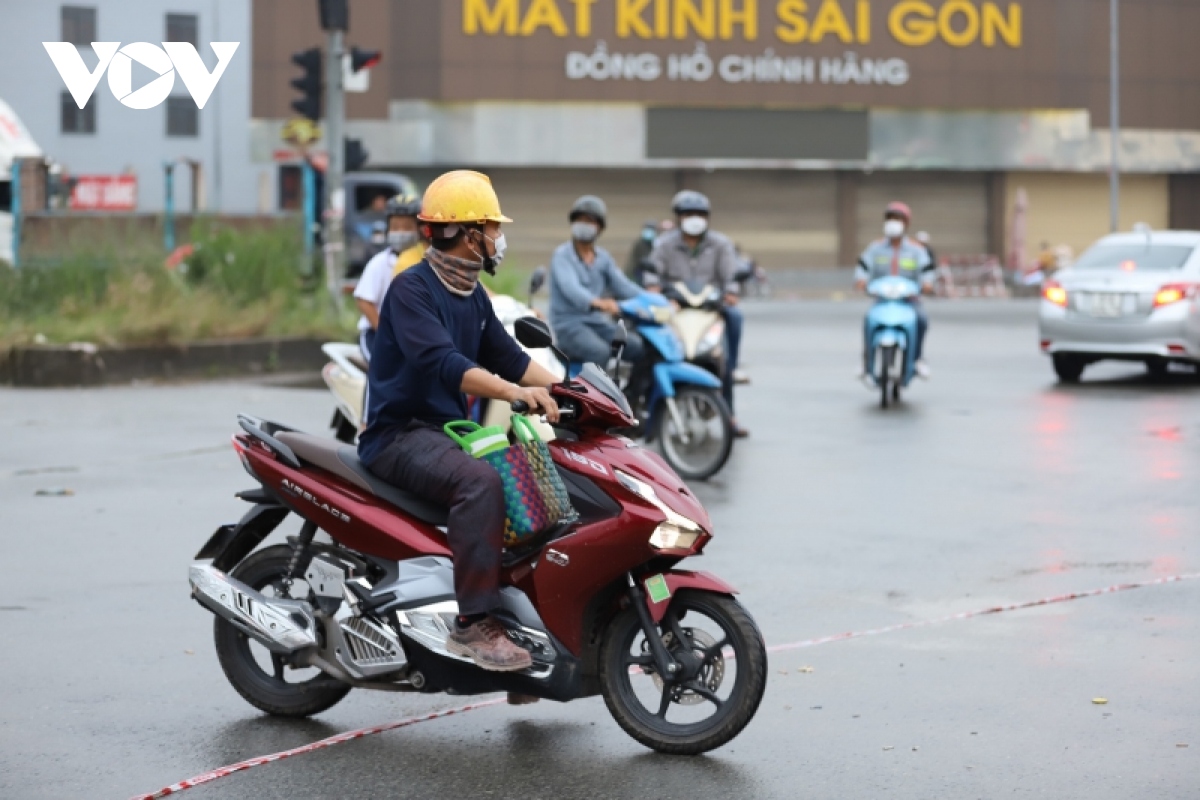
891	336
679	404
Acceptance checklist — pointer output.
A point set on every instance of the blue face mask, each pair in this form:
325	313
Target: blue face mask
649	234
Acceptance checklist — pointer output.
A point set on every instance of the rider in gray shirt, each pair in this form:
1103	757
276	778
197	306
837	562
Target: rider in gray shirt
584	280
695	254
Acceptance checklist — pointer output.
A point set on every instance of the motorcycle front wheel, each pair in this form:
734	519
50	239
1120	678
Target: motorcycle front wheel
724	673
887	357
698	444
265	679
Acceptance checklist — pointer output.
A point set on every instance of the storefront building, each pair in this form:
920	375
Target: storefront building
800	118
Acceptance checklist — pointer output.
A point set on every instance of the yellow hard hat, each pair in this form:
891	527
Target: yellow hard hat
461	196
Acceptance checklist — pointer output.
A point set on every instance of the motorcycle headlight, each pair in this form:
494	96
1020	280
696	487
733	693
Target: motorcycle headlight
677	532
712	338
671	537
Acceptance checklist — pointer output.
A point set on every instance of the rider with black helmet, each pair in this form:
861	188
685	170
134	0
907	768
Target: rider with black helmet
694	253
585	285
404	249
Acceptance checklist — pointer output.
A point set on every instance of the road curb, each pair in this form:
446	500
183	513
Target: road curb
86	364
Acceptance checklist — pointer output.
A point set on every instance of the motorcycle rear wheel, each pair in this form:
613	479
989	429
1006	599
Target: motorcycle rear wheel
270	692
707	417
717	625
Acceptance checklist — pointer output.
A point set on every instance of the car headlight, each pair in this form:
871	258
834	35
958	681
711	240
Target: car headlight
712	338
677	532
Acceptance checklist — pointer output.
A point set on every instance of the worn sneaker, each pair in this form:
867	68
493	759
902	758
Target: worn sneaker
868	380
487	645
923	370
741	376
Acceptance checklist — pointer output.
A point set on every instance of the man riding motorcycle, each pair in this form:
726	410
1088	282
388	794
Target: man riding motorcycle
584	280
693	253
897	254
404	249
439	340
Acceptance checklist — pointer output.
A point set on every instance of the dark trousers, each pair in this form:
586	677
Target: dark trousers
734	322
590	341
421	459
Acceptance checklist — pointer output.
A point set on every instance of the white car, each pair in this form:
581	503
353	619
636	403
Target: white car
1132	297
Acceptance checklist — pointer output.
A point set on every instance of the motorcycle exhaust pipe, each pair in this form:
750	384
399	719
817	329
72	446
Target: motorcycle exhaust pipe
282	626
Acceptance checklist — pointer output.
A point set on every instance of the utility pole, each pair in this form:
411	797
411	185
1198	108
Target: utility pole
1114	117
335	20
335	111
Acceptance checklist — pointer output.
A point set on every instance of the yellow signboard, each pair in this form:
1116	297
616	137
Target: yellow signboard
913	23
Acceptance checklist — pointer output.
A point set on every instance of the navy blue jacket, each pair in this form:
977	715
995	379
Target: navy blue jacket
427	340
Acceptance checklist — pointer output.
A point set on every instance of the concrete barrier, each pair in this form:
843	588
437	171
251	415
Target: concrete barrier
85	364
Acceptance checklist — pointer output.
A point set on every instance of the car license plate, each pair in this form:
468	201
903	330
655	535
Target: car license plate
1105	304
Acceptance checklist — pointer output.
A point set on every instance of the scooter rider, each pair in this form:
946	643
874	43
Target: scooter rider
438	341
404	249
584	280
693	252
897	254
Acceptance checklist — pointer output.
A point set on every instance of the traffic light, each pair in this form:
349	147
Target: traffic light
363	59
309	84
356	155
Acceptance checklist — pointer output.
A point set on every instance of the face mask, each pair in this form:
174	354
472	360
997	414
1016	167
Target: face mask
893	229
584	231
501	244
694	226
399	241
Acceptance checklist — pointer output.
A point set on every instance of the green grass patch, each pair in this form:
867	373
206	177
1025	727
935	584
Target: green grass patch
235	284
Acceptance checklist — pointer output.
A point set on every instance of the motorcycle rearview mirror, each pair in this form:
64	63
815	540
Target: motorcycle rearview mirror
620	337
533	332
536	281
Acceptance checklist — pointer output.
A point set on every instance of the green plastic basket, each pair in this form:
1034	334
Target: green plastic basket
477	442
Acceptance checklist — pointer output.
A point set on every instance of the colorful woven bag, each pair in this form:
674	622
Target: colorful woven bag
554	491
524	502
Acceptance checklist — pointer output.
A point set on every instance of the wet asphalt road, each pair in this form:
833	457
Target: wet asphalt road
990	485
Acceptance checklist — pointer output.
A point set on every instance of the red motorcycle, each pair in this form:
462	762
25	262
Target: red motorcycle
598	603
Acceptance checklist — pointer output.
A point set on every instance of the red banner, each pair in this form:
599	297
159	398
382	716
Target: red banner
104	193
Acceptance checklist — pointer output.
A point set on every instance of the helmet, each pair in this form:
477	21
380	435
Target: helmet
461	196
403	205
689	202
592	206
898	209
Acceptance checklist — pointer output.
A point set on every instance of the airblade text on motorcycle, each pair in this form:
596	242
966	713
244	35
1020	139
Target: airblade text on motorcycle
296	491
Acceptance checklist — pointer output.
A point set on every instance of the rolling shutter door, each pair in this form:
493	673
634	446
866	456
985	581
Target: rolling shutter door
784	218
952	207
538	200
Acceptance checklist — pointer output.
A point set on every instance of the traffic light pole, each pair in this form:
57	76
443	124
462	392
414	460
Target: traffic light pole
335	110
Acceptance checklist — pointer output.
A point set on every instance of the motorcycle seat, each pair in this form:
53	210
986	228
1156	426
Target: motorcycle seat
342	460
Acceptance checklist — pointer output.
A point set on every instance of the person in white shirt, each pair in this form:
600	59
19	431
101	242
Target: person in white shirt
404	249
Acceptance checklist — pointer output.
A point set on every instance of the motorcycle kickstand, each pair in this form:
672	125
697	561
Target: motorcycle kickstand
666	666
673	411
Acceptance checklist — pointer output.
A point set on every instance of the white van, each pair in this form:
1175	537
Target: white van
15	142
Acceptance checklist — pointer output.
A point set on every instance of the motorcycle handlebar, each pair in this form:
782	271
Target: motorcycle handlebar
519	407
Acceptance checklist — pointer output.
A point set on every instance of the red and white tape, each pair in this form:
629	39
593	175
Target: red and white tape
348	736
982	612
221	772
